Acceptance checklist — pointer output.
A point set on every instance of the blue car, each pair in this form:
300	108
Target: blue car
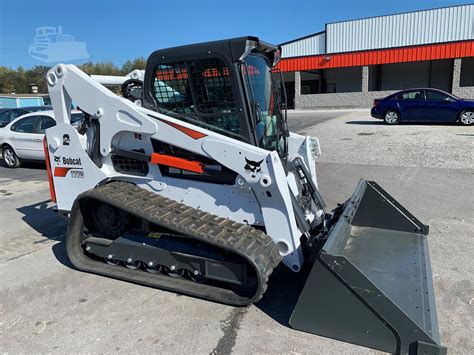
423	105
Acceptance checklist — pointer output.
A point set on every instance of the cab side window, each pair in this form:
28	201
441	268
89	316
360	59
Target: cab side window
25	125
198	90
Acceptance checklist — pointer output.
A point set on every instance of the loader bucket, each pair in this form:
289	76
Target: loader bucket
371	282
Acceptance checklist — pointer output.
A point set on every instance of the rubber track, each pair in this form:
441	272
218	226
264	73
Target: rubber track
253	245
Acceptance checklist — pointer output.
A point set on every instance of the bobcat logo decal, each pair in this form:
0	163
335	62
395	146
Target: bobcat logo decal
56	159
253	167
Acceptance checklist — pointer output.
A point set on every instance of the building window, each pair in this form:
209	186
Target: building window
399	76
467	72
310	83
342	80
331	81
331	88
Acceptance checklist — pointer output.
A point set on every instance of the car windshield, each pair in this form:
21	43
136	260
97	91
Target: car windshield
270	122
5	118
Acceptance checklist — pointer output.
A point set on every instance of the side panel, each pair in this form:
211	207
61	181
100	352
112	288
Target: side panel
268	180
72	170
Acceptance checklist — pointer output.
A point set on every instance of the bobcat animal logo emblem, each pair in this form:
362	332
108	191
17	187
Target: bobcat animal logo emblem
56	159
253	167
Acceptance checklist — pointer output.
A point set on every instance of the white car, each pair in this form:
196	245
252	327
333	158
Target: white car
22	139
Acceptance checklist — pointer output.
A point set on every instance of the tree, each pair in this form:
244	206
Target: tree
104	68
130	65
6	84
37	75
18	80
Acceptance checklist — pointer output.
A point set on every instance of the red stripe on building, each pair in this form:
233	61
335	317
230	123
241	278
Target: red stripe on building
380	56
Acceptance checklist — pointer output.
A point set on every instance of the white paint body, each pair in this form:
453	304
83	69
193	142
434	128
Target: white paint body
261	199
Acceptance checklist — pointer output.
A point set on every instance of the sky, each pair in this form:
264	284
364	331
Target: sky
118	30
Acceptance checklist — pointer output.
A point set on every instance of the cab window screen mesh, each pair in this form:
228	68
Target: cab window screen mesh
199	90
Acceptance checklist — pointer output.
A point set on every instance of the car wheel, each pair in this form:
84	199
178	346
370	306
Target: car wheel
391	117
9	157
466	118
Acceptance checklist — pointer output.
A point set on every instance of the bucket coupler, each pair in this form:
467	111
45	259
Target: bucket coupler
371	282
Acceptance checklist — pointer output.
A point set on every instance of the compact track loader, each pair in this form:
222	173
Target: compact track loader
191	182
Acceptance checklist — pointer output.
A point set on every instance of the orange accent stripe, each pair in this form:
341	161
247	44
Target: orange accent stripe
175	162
188	131
380	56
48	168
60	171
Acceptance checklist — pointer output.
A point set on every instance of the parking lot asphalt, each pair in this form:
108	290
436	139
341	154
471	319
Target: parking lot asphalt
47	306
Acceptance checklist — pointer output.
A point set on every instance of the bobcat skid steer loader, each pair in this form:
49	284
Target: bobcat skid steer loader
190	182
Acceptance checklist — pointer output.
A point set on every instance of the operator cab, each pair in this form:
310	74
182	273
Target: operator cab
227	86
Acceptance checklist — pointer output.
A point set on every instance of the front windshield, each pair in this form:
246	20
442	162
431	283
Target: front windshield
270	126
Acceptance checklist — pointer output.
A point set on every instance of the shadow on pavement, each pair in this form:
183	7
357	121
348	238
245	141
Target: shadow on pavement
366	123
380	122
59	251
42	218
50	225
27	165
283	291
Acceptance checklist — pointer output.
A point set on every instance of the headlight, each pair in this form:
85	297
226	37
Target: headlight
314	147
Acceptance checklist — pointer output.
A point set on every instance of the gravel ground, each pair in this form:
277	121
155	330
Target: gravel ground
355	138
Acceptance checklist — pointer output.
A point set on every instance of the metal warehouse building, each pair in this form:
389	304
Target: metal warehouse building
352	62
